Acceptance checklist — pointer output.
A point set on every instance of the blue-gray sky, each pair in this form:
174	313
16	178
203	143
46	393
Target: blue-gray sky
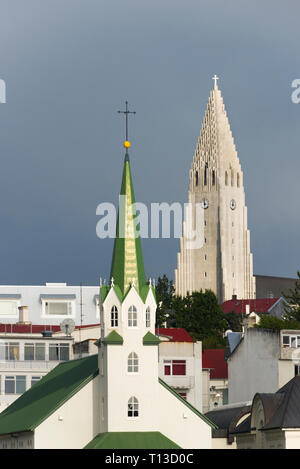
69	65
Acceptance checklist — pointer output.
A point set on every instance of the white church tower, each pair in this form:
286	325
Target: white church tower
224	262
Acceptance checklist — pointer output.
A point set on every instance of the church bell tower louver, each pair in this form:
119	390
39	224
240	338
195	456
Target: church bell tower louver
224	262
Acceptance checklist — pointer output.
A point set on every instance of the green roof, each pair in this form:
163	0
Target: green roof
131	440
150	339
46	396
127	261
113	338
184	401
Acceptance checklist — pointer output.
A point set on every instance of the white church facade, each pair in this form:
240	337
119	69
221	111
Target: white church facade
223	263
113	399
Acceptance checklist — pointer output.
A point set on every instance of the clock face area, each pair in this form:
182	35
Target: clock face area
232	204
205	204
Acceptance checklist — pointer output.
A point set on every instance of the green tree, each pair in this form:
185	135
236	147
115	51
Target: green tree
275	324
234	321
293	301
164	296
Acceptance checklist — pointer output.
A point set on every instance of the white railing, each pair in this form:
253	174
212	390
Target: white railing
27	365
180	382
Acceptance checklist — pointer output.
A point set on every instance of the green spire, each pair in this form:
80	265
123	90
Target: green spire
127	264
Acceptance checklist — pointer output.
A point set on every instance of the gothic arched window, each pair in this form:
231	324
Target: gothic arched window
133	363
114	319
132	316
133	407
148	317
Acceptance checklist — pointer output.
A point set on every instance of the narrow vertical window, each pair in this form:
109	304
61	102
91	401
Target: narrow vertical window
238	179
114	319
232	177
132	317
148	317
133	407
213	177
133	363
226	178
205	174
196	178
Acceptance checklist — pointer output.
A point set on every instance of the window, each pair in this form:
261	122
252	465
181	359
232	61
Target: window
114	317
292	341
59	352
182	394
205	274
132	317
196	178
133	407
232	178
148	317
238	180
226	178
133	363
15	384
9	351
297	370
9	307
174	367
58	308
34	379
34	351
213	177
205	174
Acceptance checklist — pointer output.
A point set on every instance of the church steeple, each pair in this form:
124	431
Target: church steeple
127	266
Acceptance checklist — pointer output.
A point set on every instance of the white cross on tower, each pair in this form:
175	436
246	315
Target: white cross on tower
215	78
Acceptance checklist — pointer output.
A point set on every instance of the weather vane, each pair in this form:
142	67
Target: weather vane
126	112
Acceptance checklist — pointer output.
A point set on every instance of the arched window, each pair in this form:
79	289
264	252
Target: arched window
133	363
213	177
148	317
238	179
114	319
132	316
226	178
133	407
196	178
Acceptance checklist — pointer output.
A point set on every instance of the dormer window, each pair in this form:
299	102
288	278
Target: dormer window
148	317
114	317
132	316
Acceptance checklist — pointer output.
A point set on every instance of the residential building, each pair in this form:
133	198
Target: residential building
262	361
215	380
274	420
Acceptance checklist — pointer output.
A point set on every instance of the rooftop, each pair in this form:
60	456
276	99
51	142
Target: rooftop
215	361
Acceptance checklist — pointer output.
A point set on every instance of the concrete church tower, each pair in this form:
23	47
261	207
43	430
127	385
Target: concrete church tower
224	262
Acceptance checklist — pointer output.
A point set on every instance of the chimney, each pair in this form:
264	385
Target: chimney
23	315
234	297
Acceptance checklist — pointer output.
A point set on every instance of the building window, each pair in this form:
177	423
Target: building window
34	351
182	394
226	178
58	308
292	341
196	178
238	179
34	380
133	407
132	317
114	320
213	177
15	384
148	317
133	363
205	274
205	257
297	370
174	367
205	174
59	352
9	308
9	351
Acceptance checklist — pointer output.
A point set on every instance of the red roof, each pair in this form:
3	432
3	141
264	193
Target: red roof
175	334
261	305
214	359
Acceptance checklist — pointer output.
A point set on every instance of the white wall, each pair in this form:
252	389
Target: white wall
180	424
74	424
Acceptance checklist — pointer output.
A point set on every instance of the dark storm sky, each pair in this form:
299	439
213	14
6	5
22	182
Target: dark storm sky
69	65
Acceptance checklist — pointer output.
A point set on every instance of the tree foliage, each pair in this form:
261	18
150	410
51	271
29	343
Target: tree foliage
275	324
164	296
293	301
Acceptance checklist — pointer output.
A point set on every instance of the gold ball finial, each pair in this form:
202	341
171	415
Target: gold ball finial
127	144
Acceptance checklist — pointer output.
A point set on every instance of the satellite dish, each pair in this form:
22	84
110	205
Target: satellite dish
67	326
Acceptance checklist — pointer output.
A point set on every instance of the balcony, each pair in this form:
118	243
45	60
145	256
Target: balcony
27	365
179	381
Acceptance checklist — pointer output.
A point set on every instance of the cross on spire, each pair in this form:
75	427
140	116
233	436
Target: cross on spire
215	78
126	112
